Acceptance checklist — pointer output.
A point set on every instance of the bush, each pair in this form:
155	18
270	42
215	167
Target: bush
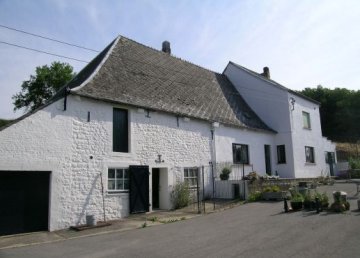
296	196
252	176
180	195
354	163
254	197
354	173
273	189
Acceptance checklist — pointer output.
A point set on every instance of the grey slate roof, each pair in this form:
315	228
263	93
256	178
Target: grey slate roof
276	84
130	73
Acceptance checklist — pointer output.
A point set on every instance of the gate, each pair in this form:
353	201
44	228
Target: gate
139	189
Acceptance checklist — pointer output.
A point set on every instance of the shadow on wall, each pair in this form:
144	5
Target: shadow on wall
240	108
87	200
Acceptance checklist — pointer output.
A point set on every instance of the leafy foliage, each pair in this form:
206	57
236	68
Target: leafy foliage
339	112
180	195
255	196
42	86
272	189
354	163
4	122
339	204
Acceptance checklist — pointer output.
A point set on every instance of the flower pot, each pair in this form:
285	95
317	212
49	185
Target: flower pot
310	205
296	205
324	205
224	177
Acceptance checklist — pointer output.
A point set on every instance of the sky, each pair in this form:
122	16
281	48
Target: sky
304	43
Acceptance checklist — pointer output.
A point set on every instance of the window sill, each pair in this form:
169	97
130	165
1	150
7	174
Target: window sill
122	154
281	163
307	128
117	193
310	164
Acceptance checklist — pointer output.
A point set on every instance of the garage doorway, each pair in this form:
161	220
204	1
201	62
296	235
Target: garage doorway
24	198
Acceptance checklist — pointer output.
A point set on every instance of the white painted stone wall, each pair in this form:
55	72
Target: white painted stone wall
78	153
306	137
273	105
226	136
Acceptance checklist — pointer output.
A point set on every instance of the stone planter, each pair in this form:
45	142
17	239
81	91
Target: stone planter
275	196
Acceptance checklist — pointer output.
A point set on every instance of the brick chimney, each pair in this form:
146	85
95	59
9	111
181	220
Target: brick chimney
266	72
166	47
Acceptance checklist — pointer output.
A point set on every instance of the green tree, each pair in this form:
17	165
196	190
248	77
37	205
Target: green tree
4	122
339	112
42	86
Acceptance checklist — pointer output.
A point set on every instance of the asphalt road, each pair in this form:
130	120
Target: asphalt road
251	230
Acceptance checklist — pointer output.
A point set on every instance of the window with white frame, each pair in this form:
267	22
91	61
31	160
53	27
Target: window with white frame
309	154
118	179
306	120
191	176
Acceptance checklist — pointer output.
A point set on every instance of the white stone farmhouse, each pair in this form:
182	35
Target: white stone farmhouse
135	110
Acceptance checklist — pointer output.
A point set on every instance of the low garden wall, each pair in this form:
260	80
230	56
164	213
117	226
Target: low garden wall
283	183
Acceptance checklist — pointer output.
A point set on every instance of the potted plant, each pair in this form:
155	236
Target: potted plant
324	199
296	201
225	173
309	201
340	204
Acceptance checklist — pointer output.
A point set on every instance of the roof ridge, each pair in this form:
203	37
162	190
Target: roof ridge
171	55
258	75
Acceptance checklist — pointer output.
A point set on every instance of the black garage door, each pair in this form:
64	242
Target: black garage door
24	201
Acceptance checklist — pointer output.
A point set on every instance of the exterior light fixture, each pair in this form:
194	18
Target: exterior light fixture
159	160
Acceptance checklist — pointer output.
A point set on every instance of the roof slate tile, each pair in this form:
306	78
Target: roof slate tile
138	75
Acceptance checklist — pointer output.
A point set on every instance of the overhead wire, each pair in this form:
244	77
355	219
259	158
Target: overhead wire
47	38
44	52
130	59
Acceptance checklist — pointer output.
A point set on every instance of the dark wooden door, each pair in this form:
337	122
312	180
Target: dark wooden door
24	199
331	161
139	189
155	187
267	159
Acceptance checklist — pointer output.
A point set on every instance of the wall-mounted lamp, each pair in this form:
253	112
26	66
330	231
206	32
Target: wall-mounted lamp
292	102
159	160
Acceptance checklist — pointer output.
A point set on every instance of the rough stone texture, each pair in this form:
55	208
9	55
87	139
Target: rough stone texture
63	142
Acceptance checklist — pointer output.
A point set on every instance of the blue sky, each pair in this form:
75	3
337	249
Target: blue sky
304	43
